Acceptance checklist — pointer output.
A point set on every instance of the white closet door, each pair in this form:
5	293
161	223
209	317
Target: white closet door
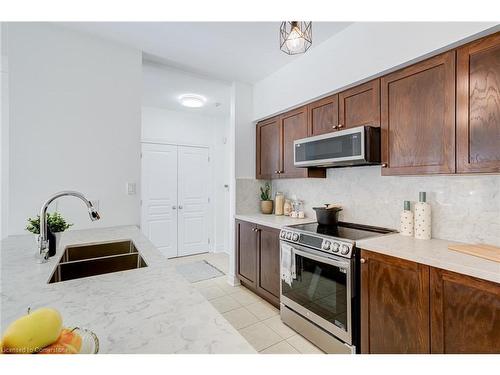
193	193
159	196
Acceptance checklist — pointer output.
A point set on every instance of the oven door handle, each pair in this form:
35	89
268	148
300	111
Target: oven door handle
322	259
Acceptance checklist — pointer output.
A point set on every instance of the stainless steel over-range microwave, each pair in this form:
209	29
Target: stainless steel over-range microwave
349	147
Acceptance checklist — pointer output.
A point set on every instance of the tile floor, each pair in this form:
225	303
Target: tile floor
257	320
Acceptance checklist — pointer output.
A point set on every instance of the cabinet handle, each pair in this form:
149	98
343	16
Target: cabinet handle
340	126
276	172
335	126
384	165
362	260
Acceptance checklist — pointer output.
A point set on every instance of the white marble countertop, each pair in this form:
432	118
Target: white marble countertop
272	220
433	253
146	310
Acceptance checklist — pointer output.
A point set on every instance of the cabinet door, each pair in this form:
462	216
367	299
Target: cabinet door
294	126
323	115
465	314
268	149
268	279
478	106
247	247
394	305
418	118
360	105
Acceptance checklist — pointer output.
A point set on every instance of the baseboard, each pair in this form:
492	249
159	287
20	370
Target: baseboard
233	280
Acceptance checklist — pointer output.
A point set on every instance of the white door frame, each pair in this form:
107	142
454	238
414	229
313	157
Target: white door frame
211	205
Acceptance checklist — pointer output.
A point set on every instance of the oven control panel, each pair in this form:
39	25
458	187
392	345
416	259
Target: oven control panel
329	245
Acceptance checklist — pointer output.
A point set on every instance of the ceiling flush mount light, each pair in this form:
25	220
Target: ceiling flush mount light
192	100
295	37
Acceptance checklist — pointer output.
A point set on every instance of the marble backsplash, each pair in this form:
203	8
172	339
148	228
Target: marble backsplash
464	208
248	195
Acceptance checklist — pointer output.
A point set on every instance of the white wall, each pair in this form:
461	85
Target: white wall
244	130
242	151
75	104
4	133
358	52
177	127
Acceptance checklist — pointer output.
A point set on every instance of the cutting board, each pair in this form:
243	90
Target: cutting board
483	251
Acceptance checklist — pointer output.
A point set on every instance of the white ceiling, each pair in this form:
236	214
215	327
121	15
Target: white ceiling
241	51
163	85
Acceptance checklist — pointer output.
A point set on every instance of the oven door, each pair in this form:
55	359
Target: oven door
340	148
321	291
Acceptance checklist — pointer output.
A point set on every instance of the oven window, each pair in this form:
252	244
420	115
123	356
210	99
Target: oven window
320	288
347	145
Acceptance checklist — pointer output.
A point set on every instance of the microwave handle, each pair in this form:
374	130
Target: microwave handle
321	259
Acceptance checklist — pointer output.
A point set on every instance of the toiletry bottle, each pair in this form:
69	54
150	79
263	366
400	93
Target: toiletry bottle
279	201
422	218
406	223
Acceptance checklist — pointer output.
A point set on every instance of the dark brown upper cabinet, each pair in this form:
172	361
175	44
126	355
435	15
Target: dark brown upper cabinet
268	150
360	105
478	106
418	118
394	305
465	314
323	115
275	147
294	126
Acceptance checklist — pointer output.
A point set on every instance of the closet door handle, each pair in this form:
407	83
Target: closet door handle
180	207
174	207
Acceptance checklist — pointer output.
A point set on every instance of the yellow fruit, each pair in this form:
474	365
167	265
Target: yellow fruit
32	332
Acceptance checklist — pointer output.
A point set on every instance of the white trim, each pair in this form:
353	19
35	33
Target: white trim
167	142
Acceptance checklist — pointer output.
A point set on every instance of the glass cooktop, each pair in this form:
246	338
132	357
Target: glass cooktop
348	231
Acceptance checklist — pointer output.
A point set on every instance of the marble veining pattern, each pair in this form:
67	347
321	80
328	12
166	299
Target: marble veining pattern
464	208
248	195
272	220
146	310
433	253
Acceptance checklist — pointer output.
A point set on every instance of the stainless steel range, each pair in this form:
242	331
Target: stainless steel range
320	282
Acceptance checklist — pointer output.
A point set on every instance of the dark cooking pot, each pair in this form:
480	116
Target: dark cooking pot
327	215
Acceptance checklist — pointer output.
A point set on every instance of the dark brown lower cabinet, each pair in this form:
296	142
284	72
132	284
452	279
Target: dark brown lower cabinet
465	314
258	259
394	305
407	307
246	245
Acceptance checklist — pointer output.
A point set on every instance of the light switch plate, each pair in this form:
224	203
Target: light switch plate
131	189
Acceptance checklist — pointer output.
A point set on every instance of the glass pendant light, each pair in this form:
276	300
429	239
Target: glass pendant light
295	37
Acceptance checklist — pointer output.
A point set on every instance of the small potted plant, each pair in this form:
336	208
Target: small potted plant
55	225
266	203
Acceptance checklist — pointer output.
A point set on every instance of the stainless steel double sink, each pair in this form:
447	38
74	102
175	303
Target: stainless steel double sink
80	261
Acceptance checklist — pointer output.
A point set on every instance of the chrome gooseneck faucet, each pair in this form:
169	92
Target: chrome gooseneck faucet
43	241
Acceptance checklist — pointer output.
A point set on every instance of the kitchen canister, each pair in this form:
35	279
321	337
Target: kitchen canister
279	202
406	222
422	218
287	207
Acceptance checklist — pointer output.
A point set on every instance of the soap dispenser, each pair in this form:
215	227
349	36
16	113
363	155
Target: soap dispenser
422	218
406	223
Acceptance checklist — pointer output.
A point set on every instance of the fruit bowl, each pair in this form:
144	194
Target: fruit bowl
74	340
90	342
